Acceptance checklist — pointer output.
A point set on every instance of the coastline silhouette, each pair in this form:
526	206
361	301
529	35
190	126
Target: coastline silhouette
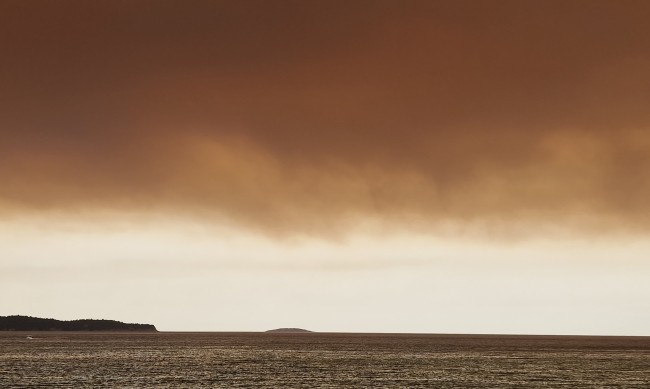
29	323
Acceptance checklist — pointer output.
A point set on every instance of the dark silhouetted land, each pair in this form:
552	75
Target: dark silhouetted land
289	330
28	323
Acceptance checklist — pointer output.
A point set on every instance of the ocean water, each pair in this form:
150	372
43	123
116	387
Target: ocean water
259	360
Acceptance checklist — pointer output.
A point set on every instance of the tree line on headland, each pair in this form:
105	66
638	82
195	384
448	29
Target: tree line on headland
28	323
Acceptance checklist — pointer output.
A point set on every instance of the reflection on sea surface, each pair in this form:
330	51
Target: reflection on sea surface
231	360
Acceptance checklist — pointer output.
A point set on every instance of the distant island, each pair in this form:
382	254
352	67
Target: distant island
289	330
28	323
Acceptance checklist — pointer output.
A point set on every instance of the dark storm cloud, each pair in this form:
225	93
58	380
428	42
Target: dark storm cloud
301	115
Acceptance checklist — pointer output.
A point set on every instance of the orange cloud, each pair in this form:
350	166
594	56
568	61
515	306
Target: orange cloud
308	117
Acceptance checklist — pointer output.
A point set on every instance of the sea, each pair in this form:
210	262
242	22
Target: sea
319	360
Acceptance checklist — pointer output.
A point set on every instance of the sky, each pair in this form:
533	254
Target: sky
368	166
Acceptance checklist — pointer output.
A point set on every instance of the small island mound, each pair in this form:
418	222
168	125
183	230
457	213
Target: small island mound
28	323
289	330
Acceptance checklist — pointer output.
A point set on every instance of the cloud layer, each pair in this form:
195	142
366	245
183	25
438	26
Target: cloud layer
309	116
